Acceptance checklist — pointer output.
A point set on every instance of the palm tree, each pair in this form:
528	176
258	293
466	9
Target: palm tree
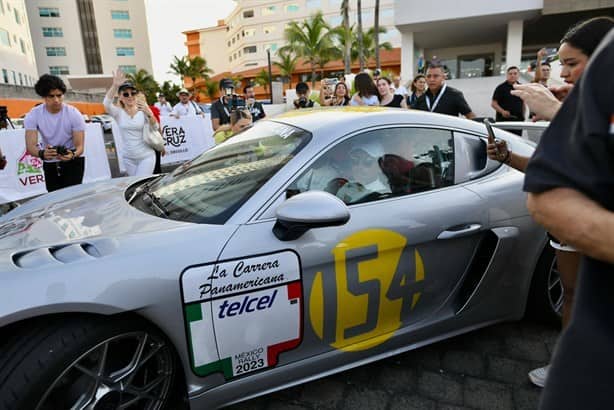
169	90
262	79
368	41
361	57
211	89
197	68
346	31
286	64
369	45
376	32
180	67
309	40
145	82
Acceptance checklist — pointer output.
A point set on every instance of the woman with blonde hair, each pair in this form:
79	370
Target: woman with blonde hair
131	116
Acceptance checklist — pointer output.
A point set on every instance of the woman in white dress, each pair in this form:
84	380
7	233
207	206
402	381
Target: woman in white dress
131	115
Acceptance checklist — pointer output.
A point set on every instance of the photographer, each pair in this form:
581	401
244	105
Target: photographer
220	110
302	94
255	108
62	130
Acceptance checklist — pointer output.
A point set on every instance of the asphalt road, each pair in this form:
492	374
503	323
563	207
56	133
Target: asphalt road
485	369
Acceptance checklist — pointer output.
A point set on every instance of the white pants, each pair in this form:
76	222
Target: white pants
140	167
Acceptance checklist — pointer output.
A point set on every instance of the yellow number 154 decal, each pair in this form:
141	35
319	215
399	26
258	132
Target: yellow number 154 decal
374	291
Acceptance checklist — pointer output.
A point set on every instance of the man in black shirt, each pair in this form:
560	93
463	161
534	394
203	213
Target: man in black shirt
220	109
571	183
440	97
508	106
254	107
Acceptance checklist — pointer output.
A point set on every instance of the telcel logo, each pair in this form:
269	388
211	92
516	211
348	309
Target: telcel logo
248	304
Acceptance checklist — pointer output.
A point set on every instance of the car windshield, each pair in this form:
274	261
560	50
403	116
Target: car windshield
210	188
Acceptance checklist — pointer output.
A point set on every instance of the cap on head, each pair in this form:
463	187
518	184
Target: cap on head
125	85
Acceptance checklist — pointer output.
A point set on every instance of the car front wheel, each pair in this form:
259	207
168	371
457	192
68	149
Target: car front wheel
86	363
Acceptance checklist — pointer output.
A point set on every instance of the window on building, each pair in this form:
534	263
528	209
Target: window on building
22	44
53	32
49	12
128	69
17	16
268	29
267	11
56	51
314	4
122	33
249	32
59	70
239	53
5	38
250	50
234	56
248	14
250	64
5	74
291	8
234	40
2	6
230	59
20	79
120	15
334	3
124	51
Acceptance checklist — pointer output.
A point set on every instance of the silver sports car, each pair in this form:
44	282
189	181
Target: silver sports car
306	245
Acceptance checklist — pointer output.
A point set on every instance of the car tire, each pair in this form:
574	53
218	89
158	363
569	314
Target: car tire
62	363
546	295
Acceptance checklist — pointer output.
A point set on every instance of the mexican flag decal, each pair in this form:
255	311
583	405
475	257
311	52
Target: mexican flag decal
241	314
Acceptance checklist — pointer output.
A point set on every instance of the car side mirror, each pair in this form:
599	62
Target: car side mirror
308	210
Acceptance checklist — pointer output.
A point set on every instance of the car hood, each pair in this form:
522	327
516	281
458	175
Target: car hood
72	214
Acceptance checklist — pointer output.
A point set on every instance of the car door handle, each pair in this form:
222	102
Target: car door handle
459	231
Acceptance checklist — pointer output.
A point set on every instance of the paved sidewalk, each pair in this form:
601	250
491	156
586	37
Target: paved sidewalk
485	369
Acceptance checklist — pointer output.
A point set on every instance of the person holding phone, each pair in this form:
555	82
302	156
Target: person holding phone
132	115
62	130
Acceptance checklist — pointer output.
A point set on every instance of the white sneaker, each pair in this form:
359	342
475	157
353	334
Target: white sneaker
538	376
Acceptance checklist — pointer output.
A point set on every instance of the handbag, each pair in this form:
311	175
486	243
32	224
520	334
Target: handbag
152	137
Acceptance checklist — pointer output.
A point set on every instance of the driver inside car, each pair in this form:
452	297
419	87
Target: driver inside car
366	178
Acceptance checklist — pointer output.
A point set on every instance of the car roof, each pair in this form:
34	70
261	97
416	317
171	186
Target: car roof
322	121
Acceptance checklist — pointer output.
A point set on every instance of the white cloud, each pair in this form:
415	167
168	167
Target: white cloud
168	19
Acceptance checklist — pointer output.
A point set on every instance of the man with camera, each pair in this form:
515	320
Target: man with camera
220	110
302	97
62	129
255	108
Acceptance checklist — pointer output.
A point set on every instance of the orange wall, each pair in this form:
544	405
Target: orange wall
20	106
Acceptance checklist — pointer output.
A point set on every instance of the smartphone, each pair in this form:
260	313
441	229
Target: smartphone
491	133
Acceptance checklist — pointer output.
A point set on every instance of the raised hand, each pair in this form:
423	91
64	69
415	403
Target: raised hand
540	100
497	151
118	77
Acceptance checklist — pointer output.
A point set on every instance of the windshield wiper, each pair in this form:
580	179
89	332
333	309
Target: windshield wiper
138	191
154	202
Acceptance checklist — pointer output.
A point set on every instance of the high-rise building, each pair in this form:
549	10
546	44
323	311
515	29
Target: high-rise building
17	60
86	37
241	41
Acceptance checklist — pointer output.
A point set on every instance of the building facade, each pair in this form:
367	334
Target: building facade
86	37
477	38
240	43
17	56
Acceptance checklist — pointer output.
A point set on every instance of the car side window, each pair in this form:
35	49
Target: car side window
382	163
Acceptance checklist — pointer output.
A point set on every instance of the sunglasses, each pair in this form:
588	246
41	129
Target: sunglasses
131	93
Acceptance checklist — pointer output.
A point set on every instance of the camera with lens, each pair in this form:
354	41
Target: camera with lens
233	100
302	102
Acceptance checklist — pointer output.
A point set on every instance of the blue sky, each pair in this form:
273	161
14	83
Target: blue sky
168	19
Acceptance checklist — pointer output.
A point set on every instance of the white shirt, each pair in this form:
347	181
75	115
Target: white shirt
372	100
401	90
165	109
131	129
182	109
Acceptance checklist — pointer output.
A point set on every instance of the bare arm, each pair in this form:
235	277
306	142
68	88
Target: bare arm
538	65
32	142
500	152
470	115
577	220
215	123
77	139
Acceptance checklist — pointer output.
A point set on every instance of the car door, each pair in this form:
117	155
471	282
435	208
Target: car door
395	263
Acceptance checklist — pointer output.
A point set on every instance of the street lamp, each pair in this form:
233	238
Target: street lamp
268	54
